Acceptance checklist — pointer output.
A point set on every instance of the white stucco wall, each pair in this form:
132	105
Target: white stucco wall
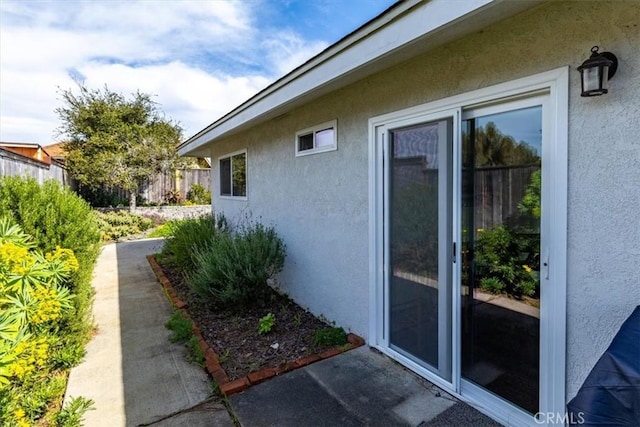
319	203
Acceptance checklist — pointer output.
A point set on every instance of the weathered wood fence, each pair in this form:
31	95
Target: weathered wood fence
12	164
157	190
170	184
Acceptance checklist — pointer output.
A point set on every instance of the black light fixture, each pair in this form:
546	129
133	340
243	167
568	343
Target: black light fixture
596	71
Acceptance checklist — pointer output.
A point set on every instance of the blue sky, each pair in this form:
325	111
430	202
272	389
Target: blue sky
199	58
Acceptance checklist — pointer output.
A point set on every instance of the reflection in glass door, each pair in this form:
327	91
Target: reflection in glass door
501	209
419	209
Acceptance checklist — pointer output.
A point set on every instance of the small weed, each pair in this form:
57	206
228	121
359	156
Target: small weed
330	336
222	358
297	320
71	415
266	323
195	352
181	327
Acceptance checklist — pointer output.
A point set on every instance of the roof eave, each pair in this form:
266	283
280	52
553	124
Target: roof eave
384	41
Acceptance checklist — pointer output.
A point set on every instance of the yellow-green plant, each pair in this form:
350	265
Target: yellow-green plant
33	297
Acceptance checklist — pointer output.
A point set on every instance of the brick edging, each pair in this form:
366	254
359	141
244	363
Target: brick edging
212	363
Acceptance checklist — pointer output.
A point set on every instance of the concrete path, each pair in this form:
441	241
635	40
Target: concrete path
358	388
132	372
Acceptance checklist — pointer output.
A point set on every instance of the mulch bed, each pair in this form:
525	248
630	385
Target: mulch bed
245	355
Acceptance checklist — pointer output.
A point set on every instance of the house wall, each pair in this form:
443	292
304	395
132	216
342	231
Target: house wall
319	203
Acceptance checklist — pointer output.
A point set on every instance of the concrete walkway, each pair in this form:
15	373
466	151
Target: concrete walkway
132	372
137	377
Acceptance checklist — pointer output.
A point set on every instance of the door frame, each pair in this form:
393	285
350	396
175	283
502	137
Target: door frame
555	84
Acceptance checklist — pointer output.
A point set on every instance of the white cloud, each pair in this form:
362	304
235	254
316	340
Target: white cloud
201	58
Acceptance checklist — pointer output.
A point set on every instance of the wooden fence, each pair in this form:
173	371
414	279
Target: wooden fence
155	191
163	186
12	164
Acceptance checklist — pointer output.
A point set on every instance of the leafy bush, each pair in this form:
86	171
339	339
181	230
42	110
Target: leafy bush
199	195
234	266
330	336
35	299
117	224
56	217
502	262
189	235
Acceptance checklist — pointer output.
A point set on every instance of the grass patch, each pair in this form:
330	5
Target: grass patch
182	333
330	336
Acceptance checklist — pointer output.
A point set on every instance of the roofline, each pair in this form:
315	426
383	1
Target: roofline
438	11
311	62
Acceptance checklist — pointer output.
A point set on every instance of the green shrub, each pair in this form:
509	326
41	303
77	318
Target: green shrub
503	260
491	285
35	302
56	217
199	195
233	268
330	336
189	235
117	224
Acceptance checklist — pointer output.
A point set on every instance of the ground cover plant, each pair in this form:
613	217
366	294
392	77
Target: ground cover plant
248	323
58	223
117	224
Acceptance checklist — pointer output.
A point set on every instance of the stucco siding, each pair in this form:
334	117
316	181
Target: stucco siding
319	203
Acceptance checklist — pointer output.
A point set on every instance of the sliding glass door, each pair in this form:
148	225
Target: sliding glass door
500	273
419	215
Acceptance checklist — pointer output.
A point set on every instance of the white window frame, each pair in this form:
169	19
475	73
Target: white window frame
555	83
333	124
246	175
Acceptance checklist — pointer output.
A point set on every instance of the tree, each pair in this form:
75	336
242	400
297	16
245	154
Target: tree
114	141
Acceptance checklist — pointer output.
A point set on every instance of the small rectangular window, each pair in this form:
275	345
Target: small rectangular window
317	139
233	175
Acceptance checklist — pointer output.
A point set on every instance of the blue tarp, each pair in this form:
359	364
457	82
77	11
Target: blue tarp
610	396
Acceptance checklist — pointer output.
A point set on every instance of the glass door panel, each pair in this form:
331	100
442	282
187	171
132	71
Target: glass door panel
419	217
501	209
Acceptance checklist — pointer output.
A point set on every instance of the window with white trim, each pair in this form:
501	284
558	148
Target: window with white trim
317	139
233	174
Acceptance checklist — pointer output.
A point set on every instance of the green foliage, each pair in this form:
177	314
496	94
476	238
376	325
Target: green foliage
188	236
330	337
196	355
502	262
493	148
101	196
117	224
183	333
35	302
56	217
234	266
530	203
199	195
266	323
163	230
181	327
71	415
114	141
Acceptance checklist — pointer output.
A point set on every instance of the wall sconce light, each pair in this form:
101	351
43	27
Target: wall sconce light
596	71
